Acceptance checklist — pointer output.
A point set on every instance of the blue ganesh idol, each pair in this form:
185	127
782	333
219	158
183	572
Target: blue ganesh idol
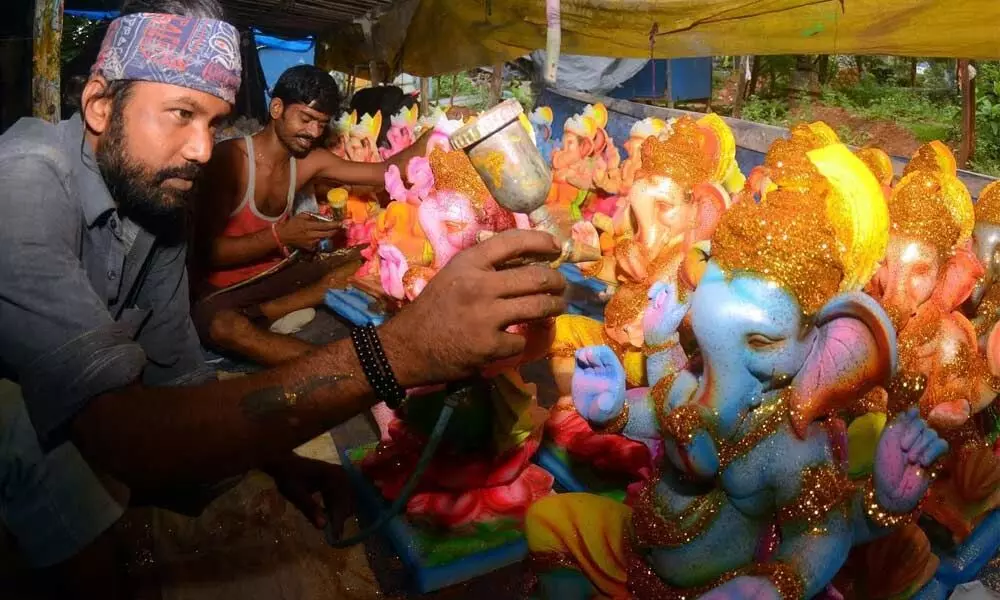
755	495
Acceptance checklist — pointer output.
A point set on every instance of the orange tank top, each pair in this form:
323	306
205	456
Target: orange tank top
247	219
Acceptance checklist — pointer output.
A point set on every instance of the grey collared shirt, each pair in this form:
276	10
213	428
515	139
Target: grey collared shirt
84	309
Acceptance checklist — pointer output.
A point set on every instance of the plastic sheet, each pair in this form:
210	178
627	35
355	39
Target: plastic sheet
449	35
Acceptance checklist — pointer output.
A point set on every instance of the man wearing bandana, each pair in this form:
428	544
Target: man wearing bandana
94	310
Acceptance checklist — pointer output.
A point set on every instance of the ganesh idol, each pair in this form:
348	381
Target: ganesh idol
356	140
750	496
671	211
929	271
586	149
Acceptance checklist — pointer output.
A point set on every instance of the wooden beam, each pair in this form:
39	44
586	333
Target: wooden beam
968	144
45	97
425	96
496	85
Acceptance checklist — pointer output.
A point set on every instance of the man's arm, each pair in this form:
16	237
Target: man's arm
162	436
323	164
222	195
153	437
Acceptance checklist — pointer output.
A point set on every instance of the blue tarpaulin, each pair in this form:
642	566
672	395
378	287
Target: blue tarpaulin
278	54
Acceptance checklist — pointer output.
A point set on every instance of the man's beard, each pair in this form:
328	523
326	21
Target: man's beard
290	143
138	192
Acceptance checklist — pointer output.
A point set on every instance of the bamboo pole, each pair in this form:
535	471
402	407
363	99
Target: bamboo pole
425	96
45	98
553	40
496	85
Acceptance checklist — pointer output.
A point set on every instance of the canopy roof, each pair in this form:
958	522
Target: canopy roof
448	35
290	18
431	37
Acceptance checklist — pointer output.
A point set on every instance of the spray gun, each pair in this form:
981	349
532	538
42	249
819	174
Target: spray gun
506	158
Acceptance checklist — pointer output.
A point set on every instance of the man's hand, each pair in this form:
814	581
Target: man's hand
457	324
304	231
300	480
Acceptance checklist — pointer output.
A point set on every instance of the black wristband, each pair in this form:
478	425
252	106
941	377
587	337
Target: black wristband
376	366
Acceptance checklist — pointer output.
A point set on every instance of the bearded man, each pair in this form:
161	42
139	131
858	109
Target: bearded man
94	308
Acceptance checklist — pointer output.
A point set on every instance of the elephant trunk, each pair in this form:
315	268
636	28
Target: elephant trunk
725	396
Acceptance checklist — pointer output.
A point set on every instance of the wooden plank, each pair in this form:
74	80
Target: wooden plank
45	98
756	137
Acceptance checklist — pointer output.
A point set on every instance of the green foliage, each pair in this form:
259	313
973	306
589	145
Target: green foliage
762	110
521	91
987	155
77	32
928	132
463	84
927	118
777	71
937	74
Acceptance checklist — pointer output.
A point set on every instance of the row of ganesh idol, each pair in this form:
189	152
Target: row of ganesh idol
797	369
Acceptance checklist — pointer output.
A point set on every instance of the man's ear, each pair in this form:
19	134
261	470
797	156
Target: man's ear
96	104
277	107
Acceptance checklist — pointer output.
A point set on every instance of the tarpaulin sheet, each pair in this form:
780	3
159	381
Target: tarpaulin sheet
591	74
445	36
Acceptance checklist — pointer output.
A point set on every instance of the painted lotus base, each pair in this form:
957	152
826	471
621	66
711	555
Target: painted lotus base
435	559
572	475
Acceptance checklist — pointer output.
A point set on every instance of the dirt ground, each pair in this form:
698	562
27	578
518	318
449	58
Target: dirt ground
887	135
890	137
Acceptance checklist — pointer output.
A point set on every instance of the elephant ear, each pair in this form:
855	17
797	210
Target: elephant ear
854	350
961	273
710	201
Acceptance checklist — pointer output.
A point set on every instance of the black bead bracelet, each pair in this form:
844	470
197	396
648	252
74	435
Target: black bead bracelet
376	366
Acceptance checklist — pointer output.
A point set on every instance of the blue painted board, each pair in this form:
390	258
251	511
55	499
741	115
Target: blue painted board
690	79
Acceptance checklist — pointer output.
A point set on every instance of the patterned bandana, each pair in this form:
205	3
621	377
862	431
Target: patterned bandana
201	54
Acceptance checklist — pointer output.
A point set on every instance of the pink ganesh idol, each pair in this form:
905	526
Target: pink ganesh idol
401	132
587	150
397	240
356	141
